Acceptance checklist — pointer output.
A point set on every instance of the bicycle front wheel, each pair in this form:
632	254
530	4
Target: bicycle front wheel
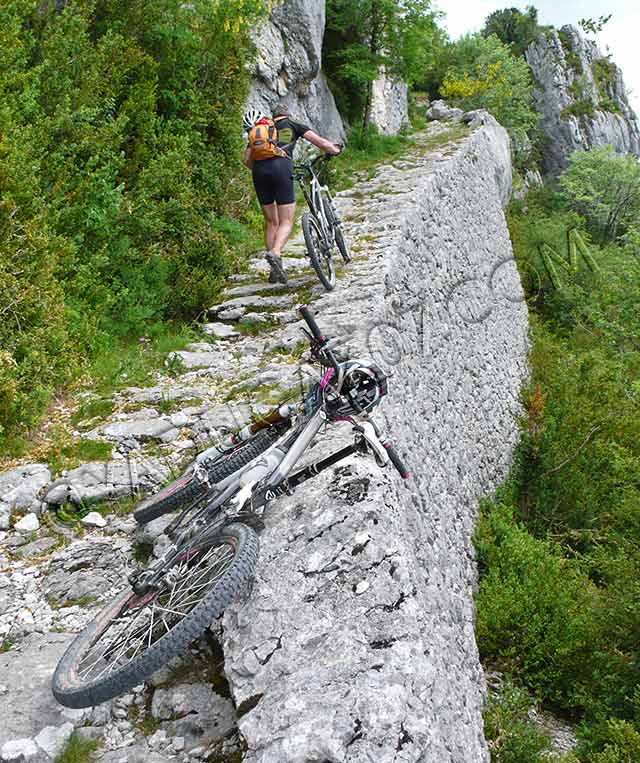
135	635
319	255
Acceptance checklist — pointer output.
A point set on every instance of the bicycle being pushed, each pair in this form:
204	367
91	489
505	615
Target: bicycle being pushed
321	225
212	551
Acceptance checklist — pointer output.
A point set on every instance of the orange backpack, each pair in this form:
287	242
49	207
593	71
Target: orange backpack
263	141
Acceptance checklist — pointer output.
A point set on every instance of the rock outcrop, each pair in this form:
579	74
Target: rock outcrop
389	110
288	66
581	96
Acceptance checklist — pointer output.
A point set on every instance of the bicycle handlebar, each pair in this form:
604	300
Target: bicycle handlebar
322	341
311	323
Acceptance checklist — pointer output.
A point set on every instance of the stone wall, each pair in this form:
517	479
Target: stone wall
357	642
581	96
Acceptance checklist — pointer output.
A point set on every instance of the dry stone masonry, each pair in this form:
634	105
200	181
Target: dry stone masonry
581	96
356	643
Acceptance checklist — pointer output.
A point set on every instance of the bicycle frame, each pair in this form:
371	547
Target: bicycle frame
313	197
262	480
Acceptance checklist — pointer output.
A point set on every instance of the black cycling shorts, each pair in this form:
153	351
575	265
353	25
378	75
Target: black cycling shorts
273	180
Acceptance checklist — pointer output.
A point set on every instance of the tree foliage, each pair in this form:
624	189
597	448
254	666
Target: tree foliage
594	26
605	189
362	36
485	74
514	27
119	178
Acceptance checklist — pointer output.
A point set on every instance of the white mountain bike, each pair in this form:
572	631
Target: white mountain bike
213	549
321	225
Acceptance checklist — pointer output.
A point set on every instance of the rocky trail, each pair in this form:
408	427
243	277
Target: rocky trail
357	641
51	585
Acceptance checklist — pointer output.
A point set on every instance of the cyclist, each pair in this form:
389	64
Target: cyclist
273	181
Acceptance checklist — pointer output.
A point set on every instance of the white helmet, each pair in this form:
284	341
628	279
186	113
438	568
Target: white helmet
250	117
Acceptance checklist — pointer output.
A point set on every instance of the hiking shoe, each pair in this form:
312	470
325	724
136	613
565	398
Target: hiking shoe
277	274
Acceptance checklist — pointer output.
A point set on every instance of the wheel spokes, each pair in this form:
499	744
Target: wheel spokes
135	630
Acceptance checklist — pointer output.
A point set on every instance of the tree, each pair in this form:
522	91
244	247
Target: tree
120	184
594	26
364	35
604	188
513	27
485	74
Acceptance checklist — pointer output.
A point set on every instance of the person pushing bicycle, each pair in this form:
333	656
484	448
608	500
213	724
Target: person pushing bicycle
269	156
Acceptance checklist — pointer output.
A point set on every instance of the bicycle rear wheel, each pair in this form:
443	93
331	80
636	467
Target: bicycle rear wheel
135	635
319	255
188	487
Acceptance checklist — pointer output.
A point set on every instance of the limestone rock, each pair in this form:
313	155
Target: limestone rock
53	738
86	568
581	96
27	524
20	751
389	110
220	330
94	519
288	66
20	488
141	429
196	712
440	111
28	705
97	481
149	532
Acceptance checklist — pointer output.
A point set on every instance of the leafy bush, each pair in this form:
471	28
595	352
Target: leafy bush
604	189
119	175
535	609
614	742
511	737
485	74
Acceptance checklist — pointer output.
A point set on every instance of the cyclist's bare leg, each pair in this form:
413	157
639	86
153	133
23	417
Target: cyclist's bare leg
286	215
271	223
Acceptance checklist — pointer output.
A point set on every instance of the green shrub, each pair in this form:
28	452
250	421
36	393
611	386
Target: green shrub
77	750
511	737
122	199
614	742
604	188
484	74
535	609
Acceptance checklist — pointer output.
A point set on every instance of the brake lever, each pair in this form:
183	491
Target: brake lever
368	430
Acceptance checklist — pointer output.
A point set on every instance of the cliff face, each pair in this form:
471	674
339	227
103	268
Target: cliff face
581	97
357	642
288	66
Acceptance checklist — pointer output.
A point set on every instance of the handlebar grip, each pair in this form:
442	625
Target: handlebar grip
397	461
311	323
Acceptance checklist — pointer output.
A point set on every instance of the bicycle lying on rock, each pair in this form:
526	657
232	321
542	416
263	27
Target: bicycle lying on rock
321	225
212	549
